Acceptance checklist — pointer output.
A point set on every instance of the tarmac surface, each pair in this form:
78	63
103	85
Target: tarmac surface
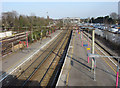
76	70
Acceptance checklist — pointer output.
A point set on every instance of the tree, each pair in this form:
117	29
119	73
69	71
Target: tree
12	19
8	18
114	15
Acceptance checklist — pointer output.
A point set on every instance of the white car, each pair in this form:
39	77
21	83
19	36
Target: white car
114	29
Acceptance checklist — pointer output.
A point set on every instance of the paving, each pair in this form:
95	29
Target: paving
76	70
10	62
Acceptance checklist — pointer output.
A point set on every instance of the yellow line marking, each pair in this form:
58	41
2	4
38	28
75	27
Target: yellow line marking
70	62
108	64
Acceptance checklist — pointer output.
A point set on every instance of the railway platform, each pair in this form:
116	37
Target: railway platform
76	70
13	61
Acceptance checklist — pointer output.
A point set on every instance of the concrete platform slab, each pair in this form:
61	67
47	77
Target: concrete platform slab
77	71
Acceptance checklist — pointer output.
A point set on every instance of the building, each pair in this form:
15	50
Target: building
72	19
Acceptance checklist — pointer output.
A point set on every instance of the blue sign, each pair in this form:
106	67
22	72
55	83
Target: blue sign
85	44
0	43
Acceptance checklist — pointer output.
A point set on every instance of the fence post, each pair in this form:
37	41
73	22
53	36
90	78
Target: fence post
12	47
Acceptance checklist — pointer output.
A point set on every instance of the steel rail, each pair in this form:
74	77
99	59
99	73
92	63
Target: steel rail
42	61
53	83
39	56
52	61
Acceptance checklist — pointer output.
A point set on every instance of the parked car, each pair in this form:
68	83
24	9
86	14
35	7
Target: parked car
115	29
118	29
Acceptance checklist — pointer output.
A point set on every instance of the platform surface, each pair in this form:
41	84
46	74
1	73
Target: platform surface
76	70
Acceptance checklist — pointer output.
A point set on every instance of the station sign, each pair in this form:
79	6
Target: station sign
88	48
85	44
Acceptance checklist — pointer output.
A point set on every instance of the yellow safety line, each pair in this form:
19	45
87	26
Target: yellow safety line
108	64
98	53
70	64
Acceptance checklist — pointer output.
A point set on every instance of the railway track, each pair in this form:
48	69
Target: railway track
40	71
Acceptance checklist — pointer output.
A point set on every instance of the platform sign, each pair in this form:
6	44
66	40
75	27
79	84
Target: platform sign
88	48
85	44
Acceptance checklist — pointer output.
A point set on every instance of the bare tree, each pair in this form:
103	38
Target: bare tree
114	15
8	18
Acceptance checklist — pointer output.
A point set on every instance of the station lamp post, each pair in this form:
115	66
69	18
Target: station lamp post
93	51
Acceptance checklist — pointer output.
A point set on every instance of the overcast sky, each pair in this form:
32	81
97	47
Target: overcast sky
63	8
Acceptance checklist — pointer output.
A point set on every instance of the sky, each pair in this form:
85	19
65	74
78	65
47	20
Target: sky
60	9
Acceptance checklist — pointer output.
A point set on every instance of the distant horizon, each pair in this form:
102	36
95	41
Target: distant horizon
58	10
